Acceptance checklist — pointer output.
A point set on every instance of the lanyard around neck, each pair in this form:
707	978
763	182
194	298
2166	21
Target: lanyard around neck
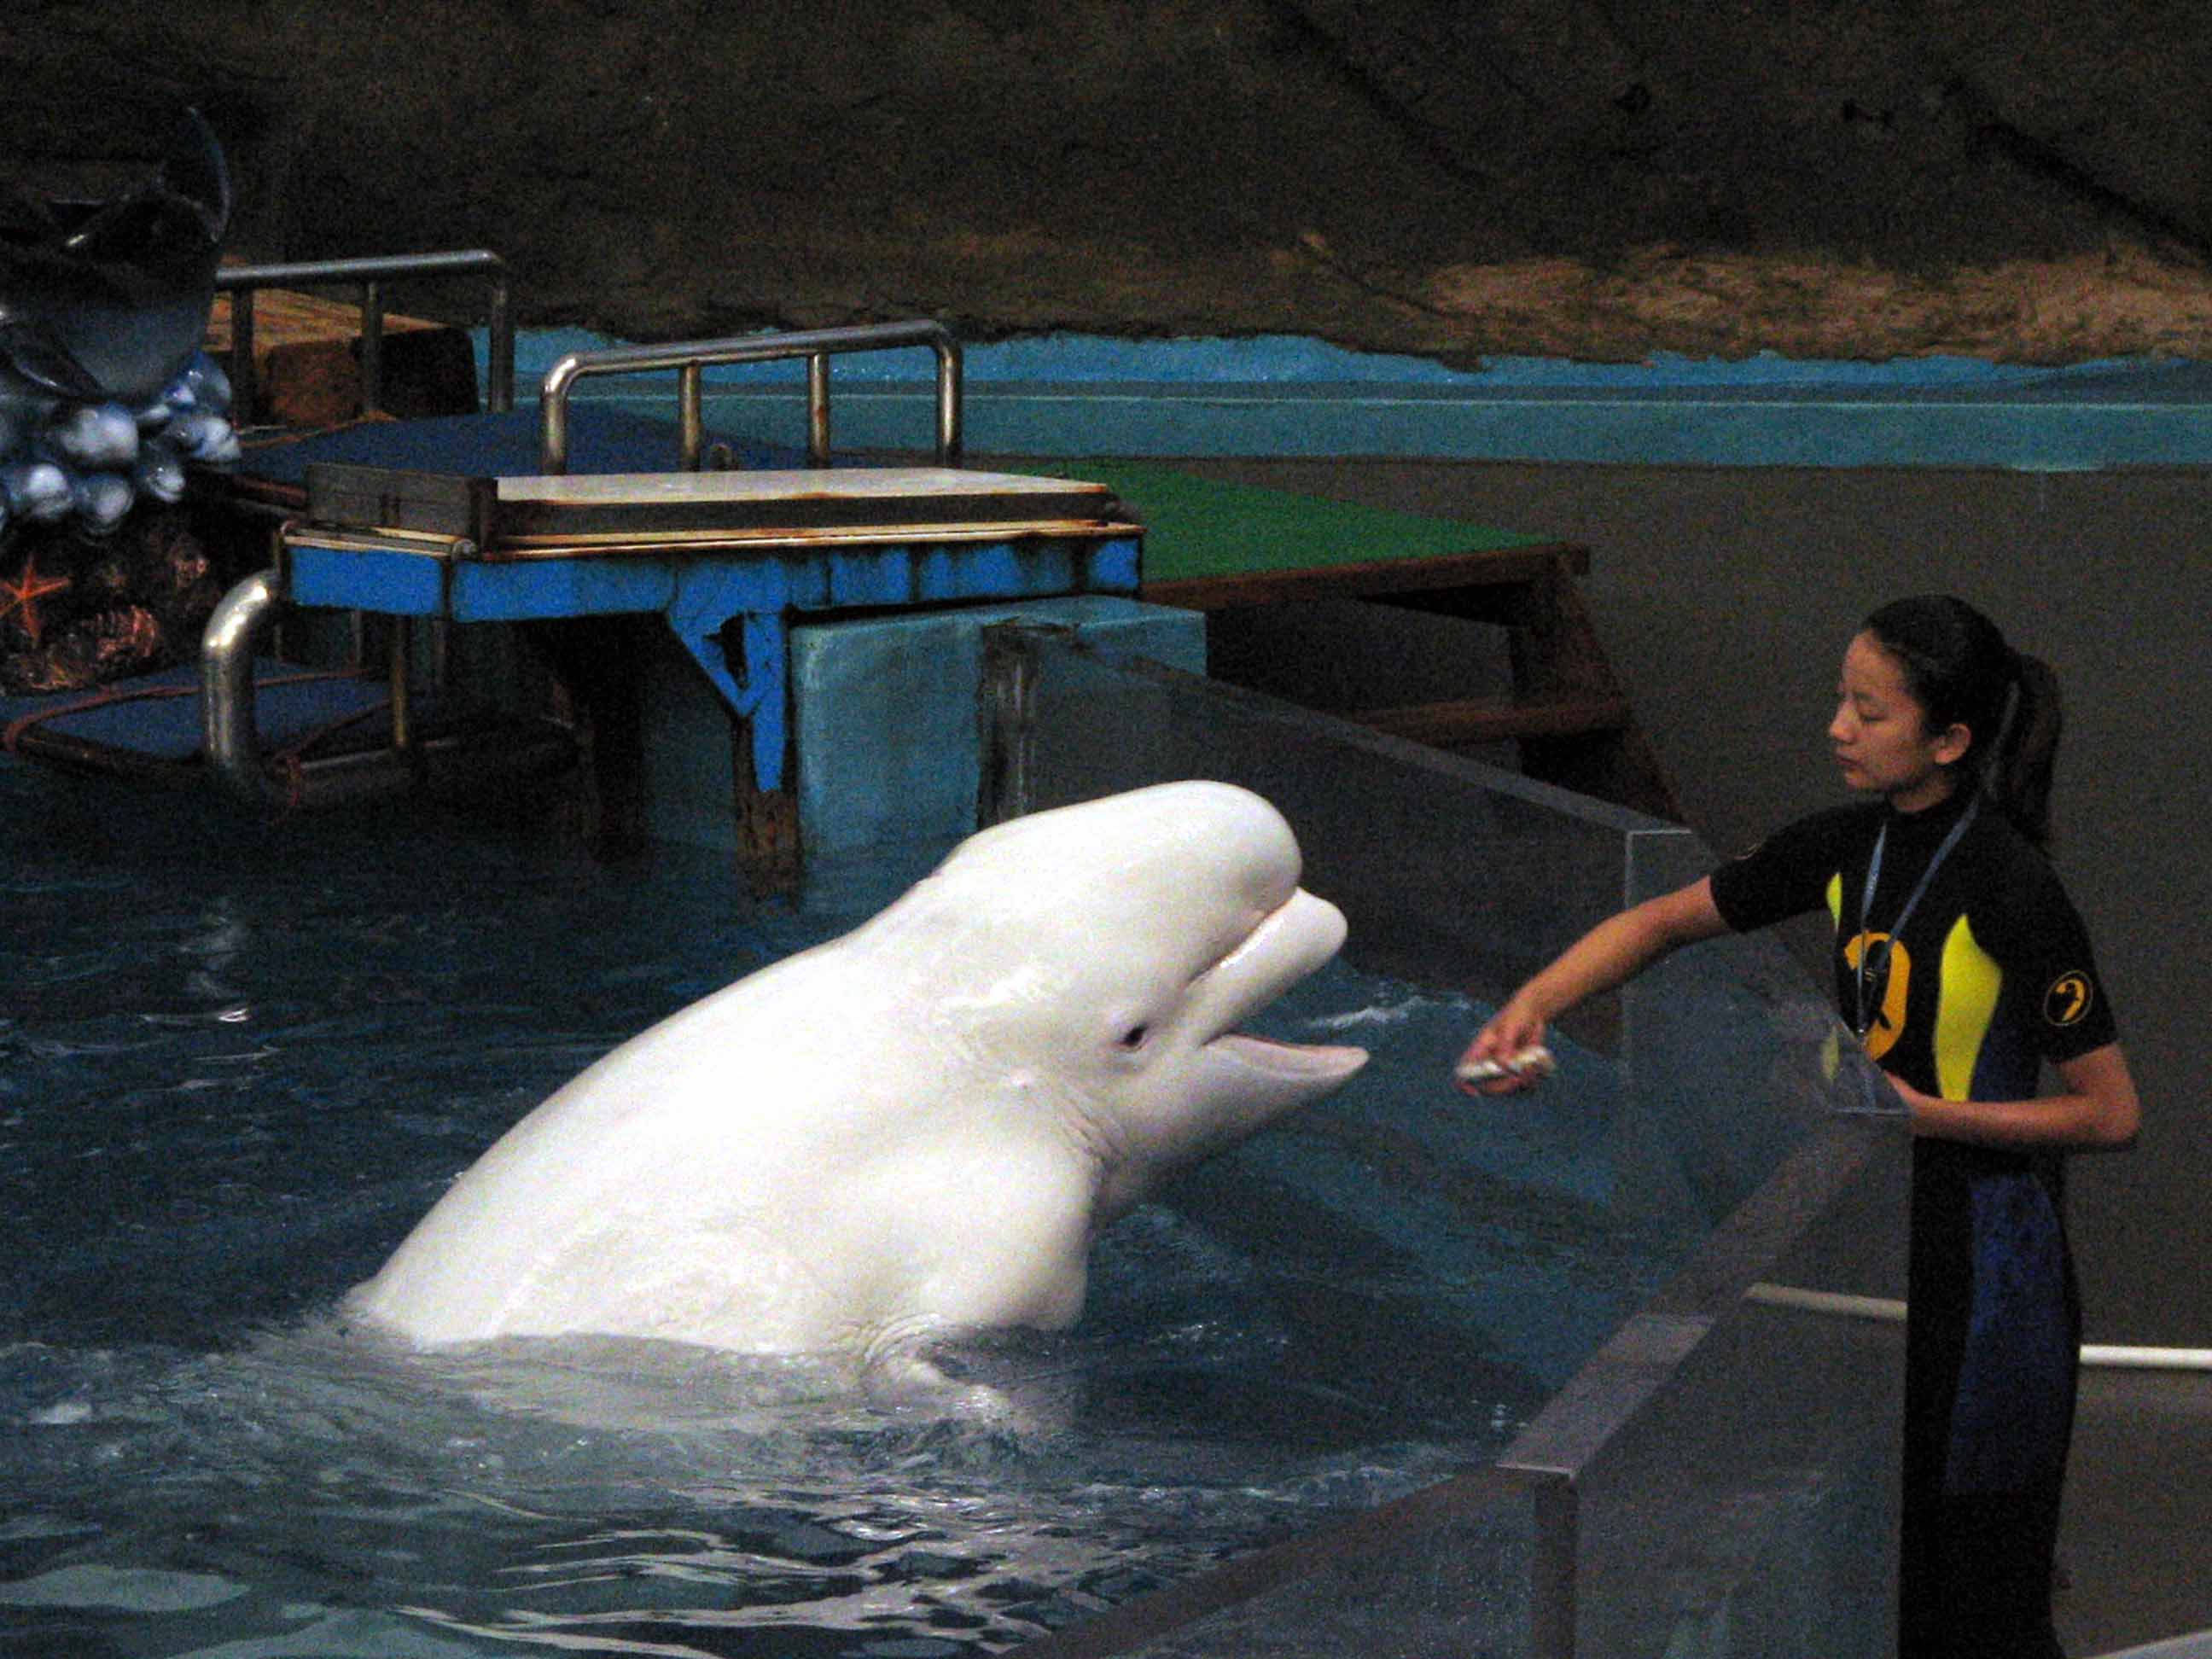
1869	968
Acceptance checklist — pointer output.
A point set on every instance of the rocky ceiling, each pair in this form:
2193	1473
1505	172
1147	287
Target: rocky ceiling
1594	179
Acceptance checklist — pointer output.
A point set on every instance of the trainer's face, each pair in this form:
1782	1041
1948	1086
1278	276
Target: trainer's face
1881	733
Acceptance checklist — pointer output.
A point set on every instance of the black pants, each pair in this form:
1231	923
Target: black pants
1992	1349
1976	1581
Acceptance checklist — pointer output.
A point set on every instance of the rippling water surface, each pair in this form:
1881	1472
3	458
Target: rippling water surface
236	1066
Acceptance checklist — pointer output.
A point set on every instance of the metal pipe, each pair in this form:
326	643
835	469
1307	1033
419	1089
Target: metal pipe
244	391
399	686
1888	1310
817	409
438	764
227	733
2108	1356
690	414
313	273
561	378
949	438
372	347
499	361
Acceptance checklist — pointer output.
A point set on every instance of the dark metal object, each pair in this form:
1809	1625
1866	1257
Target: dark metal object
391	498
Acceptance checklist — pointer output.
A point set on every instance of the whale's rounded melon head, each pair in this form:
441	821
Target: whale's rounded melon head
1128	938
914	1129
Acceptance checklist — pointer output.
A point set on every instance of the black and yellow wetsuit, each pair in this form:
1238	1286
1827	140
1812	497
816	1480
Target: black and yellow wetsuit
1990	976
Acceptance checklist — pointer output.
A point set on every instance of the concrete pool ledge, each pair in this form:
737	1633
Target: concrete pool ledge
1065	396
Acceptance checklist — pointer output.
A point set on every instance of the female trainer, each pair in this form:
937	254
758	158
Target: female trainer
1963	967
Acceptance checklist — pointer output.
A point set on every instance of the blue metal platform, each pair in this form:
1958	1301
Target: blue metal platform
731	595
558	515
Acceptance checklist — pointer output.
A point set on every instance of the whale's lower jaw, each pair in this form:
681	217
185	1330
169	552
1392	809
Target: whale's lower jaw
1290	942
1244	1083
1316	1066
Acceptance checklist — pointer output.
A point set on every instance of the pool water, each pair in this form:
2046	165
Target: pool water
237	1064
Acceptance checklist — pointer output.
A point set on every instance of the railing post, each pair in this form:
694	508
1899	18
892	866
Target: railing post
372	347
399	684
499	355
244	388
817	409
691	414
949	436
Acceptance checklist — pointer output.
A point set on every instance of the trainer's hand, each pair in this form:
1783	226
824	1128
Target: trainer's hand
1507	1054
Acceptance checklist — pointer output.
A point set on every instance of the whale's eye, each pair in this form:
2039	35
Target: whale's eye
1135	1037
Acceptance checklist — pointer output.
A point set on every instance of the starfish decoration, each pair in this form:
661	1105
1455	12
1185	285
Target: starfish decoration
23	593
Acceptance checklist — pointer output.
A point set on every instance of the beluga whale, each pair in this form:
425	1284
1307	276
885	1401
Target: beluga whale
913	1132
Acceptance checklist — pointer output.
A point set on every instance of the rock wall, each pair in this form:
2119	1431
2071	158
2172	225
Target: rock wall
1595	178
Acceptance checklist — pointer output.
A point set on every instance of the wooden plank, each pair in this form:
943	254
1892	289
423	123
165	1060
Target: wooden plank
776	489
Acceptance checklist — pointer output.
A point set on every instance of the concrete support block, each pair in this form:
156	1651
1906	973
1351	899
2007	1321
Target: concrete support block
887	720
884	720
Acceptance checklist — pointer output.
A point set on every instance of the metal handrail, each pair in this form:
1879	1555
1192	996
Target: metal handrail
226	723
241	282
690	358
415	759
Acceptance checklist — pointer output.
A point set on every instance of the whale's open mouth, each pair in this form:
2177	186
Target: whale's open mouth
1291	941
1293	1062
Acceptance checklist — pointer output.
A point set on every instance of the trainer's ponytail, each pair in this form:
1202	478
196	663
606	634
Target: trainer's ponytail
1960	671
2017	773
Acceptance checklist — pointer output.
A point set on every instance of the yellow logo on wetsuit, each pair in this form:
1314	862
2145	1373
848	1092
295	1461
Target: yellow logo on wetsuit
2068	1000
1888	1023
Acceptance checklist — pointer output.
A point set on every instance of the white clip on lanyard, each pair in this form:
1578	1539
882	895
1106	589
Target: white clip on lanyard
1870	967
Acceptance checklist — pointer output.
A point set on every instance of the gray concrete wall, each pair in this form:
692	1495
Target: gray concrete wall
1724	597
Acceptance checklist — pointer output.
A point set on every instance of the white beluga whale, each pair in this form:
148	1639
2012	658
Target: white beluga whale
912	1132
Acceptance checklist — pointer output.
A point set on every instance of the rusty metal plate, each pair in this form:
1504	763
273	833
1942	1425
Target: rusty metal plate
844	503
844	499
